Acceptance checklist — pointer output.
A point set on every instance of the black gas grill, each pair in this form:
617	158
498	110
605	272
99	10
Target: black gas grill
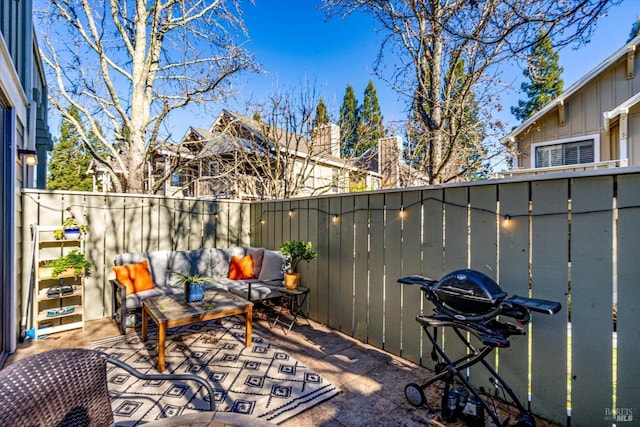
470	301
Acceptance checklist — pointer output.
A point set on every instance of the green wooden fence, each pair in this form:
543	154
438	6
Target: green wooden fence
570	238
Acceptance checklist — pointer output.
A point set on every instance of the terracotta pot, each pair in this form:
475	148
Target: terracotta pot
291	280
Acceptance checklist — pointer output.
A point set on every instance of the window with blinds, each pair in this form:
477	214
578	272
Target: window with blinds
572	153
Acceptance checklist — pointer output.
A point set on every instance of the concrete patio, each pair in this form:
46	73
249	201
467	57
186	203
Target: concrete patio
372	381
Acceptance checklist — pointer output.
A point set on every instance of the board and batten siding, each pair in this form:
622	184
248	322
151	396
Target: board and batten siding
583	114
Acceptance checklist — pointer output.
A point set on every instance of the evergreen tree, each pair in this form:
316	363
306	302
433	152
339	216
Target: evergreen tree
348	122
370	123
322	116
69	160
544	78
635	30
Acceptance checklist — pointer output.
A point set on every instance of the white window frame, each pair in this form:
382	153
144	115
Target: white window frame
596	147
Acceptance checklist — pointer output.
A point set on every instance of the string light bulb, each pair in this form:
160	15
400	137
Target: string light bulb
336	218
507	220
402	213
292	212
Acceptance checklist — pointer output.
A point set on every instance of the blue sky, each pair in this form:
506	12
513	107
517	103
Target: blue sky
294	42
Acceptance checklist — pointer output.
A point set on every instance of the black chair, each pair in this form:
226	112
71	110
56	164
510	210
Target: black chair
66	387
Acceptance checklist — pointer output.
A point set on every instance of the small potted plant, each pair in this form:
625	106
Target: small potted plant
295	251
72	264
71	229
193	286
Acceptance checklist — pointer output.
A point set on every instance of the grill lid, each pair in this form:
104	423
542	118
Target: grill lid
469	291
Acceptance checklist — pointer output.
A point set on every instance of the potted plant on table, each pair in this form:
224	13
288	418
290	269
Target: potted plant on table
193	285
295	251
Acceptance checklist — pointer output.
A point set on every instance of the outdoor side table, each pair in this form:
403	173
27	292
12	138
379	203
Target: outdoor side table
295	300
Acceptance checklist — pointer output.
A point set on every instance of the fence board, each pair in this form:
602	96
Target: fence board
411	264
628	312
312	220
456	253
101	260
550	231
347	292
117	206
324	284
210	222
376	272
361	270
164	222
393	270
591	298
513	275
292	231
483	254
334	259
433	252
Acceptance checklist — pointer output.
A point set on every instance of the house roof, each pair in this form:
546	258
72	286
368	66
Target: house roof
297	145
620	109
549	106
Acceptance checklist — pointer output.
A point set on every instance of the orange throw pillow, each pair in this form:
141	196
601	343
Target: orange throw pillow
135	277
241	268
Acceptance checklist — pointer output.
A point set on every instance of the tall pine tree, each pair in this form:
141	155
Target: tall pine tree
544	79
348	122
322	116
69	160
370	122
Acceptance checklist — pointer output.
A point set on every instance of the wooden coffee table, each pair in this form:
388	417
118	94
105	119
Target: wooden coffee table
172	310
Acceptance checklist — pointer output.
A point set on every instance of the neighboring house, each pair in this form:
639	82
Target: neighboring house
595	123
23	126
242	158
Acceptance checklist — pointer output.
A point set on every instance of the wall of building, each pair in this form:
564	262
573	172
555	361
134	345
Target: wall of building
583	112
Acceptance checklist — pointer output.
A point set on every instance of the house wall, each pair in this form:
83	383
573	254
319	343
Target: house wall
17	59
583	113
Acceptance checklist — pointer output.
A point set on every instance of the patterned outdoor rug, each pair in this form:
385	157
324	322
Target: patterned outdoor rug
262	380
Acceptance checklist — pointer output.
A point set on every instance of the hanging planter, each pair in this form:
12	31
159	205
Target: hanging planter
71	229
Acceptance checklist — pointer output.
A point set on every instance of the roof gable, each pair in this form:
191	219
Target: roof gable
575	87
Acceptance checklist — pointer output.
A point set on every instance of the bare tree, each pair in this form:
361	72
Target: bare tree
285	153
127	65
429	41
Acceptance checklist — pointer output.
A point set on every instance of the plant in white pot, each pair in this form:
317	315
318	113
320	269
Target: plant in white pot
71	229
295	251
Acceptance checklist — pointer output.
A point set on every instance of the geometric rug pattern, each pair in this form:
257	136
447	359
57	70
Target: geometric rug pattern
261	381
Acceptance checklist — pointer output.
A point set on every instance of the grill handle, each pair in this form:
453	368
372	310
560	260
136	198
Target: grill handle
417	280
537	305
